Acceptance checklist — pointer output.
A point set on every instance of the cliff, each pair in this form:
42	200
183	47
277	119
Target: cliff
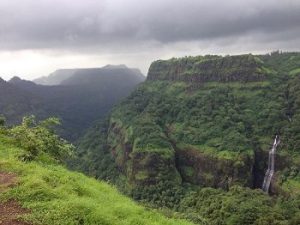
243	68
216	133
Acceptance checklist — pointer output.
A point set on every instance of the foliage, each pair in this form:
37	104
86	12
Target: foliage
227	115
239	206
243	68
57	196
39	137
164	194
218	207
93	156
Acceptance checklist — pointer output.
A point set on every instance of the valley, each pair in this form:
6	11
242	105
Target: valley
204	124
193	141
155	112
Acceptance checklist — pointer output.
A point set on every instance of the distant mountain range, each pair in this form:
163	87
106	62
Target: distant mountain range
67	76
56	77
76	96
16	102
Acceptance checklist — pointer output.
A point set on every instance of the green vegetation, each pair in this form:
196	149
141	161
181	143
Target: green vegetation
240	206
57	196
194	138
224	117
93	155
38	138
294	72
243	68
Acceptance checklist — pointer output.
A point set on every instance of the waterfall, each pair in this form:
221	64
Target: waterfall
271	166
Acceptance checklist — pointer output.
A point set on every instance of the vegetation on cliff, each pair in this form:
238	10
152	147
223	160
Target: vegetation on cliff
225	122
54	195
209	122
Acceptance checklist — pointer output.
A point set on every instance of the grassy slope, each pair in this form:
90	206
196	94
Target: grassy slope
58	196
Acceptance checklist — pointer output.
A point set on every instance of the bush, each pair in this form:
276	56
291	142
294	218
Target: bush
39	137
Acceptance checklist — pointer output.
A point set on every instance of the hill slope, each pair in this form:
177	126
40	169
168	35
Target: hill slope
221	110
206	121
55	195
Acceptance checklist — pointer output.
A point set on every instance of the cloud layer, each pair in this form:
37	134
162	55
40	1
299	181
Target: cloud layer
118	27
77	24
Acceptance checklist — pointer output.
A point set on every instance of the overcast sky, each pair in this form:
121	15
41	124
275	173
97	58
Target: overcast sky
40	36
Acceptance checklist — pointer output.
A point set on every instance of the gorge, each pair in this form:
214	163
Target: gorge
200	127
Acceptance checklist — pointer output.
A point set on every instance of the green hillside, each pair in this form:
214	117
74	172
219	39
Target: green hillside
54	195
207	122
225	111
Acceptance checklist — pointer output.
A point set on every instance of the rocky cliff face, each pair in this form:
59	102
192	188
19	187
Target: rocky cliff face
245	68
211	171
142	168
215	135
185	164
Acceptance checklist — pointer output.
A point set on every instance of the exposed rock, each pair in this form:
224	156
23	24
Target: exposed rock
242	68
210	171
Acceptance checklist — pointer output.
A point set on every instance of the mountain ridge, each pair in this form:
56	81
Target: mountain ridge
78	101
200	128
59	76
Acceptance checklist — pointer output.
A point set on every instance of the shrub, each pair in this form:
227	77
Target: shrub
39	137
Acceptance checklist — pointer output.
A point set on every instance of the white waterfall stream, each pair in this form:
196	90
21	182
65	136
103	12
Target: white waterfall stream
271	166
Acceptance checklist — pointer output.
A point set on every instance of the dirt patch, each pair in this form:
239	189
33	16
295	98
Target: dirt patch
7	180
10	211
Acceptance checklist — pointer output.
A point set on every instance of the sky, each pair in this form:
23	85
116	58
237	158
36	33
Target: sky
39	36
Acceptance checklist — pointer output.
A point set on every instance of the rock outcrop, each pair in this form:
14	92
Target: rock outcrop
244	68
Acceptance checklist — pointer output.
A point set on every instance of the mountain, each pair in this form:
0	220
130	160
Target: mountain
69	76
81	99
104	76
195	138
24	84
16	102
56	77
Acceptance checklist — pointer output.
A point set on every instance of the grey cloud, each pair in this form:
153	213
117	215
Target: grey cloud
100	24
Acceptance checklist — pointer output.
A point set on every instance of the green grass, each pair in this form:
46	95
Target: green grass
56	195
237	85
223	154
294	72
